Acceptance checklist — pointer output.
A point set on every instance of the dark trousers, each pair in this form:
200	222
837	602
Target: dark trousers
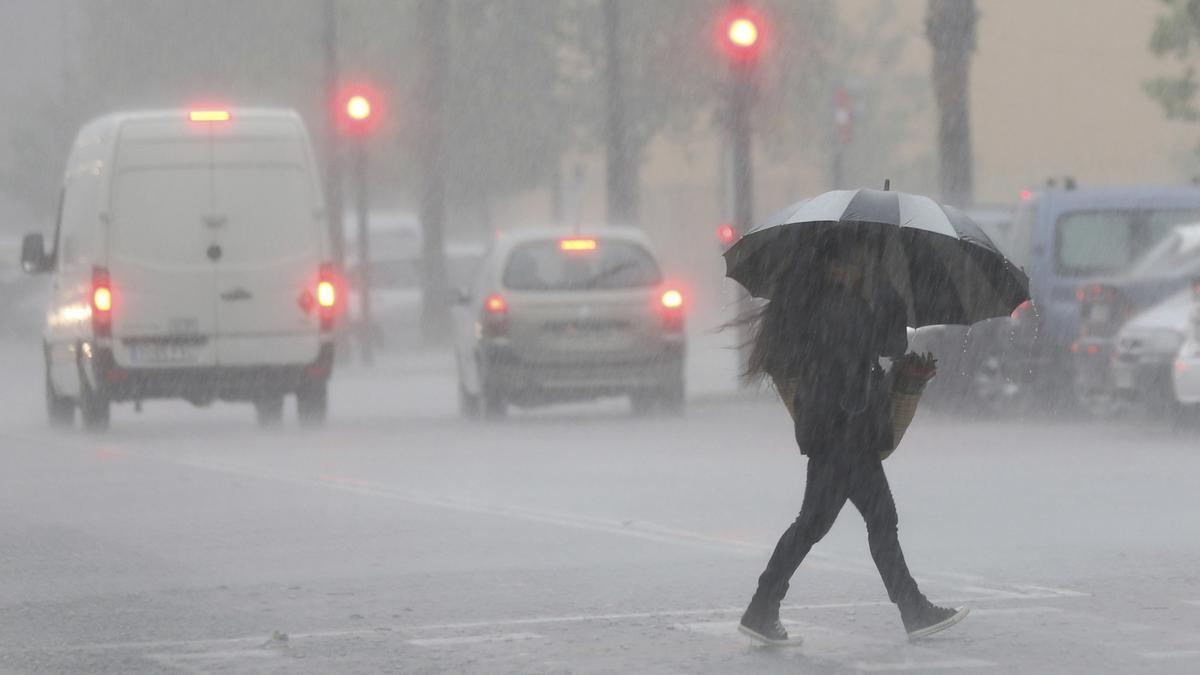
854	473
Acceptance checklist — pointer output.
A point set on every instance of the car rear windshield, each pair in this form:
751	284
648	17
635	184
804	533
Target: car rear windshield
1104	242
545	266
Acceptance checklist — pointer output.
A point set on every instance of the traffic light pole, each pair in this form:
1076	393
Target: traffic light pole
367	331
741	100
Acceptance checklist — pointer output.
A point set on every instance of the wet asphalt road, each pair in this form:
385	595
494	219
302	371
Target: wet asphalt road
400	539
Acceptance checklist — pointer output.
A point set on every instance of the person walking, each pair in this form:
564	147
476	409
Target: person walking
820	339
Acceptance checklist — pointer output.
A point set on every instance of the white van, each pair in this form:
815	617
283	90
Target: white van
191	259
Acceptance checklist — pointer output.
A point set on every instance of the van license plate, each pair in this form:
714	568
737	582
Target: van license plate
162	352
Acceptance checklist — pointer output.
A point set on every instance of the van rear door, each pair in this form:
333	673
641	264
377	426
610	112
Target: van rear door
270	238
162	278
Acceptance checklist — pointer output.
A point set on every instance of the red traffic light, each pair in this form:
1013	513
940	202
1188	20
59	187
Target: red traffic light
358	110
727	234
741	35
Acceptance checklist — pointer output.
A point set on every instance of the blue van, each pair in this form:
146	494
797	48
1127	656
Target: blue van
1065	239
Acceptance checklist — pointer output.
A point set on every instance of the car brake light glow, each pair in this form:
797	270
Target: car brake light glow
577	244
672	299
495	304
102	299
1026	195
326	295
102	302
209	116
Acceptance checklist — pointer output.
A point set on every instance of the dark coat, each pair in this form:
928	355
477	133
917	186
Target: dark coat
842	400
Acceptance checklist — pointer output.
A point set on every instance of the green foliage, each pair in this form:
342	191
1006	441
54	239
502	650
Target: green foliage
1176	36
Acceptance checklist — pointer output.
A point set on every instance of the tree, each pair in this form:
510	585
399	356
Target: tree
1176	36
950	28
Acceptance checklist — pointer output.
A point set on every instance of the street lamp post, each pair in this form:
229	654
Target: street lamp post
742	39
358	116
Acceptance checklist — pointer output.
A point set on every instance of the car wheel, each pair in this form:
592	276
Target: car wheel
268	410
95	409
60	411
666	399
494	405
312	404
671	398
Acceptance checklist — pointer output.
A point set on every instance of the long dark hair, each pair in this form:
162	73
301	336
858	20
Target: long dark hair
776	326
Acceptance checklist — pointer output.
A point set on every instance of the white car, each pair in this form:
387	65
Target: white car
396	255
1146	350
555	317
1186	376
191	259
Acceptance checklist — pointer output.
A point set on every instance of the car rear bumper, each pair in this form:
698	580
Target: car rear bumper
205	383
1143	380
521	380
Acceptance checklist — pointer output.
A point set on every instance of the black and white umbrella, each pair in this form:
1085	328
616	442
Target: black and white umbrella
944	266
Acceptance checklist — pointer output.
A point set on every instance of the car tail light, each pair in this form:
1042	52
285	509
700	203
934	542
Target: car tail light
577	245
495	316
671	307
327	296
102	302
209	116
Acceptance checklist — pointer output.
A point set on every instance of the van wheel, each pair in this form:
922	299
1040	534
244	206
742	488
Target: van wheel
312	404
468	404
60	411
95	410
269	411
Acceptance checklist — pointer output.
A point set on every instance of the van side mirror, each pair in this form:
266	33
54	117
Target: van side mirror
33	255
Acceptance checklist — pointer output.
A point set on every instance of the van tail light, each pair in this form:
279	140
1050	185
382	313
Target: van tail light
495	316
671	308
1022	310
327	296
102	302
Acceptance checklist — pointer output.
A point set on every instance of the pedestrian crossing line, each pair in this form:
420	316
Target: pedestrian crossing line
474	639
830	644
1172	654
901	666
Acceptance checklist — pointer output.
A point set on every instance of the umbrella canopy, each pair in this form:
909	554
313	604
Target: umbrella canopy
941	263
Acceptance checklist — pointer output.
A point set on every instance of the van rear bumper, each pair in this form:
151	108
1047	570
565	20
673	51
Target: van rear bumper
204	384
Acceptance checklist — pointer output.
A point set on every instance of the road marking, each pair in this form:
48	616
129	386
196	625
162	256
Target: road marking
643	530
196	663
1032	609
475	639
955	664
1172	654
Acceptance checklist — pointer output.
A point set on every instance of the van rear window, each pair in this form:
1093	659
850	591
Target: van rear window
545	266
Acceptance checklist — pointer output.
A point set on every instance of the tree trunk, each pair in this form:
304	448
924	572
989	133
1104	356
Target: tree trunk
950	28
622	165
433	17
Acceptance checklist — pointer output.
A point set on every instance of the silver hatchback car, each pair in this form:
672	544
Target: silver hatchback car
555	317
